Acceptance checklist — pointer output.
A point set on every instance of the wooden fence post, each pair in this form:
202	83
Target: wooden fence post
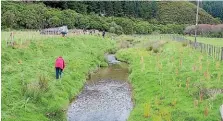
214	53
221	53
201	47
206	48
209	48
200	44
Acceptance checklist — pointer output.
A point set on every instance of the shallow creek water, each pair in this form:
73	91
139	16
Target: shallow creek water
106	96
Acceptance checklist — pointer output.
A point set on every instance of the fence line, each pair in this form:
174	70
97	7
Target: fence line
211	50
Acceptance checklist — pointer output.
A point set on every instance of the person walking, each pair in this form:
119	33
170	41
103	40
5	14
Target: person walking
59	66
103	34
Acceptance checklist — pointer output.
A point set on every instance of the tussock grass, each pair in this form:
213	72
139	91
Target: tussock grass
29	88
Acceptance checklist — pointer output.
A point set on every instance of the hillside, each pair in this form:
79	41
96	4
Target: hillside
20	15
164	12
183	13
215	8
35	15
159	17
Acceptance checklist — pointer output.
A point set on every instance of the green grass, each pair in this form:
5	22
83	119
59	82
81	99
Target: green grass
30	91
156	83
211	41
29	88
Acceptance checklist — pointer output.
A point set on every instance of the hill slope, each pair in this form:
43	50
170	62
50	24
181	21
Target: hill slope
183	13
135	17
165	12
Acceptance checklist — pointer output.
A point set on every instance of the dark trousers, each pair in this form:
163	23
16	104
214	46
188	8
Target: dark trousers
58	72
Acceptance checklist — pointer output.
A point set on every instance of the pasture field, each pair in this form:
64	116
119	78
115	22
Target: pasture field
212	41
29	88
176	84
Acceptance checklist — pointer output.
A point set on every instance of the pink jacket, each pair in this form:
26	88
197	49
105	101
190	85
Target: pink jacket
60	63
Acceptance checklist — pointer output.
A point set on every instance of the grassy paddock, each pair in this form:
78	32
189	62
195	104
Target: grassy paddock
177	84
21	37
29	88
127	41
211	41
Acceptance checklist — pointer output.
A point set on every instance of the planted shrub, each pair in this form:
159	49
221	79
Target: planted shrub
185	44
149	48
155	50
125	44
196	103
206	111
147	110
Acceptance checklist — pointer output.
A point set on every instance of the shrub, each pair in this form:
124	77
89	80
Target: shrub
184	44
156	50
124	44
149	48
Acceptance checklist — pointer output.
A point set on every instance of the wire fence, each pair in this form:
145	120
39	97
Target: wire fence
214	51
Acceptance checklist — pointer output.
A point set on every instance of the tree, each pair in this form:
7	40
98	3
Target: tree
114	28
126	24
69	17
8	19
77	6
118	8
109	8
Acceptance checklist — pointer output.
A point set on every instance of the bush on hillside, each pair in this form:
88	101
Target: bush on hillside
18	15
114	28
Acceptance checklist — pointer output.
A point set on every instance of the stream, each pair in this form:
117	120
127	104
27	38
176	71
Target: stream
106	96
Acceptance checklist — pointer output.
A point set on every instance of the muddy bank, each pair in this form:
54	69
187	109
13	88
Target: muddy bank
105	97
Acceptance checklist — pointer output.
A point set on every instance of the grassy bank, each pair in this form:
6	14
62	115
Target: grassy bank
177	84
29	88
